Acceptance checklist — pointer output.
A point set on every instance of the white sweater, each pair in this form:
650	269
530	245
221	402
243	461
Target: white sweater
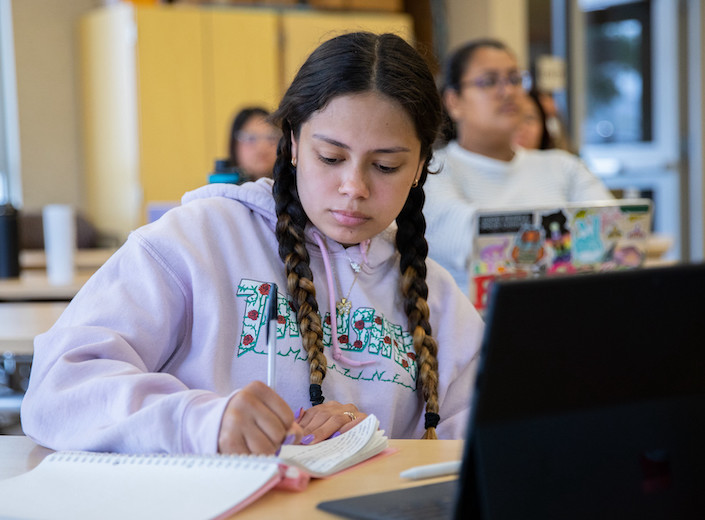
468	181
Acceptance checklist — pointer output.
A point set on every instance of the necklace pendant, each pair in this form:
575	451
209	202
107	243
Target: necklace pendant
355	266
344	306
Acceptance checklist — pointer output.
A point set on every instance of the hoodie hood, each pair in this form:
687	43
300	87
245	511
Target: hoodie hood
257	196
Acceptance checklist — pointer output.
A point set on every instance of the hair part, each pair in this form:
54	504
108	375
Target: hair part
349	64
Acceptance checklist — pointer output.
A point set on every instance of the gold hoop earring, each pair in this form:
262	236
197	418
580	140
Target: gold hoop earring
293	162
416	183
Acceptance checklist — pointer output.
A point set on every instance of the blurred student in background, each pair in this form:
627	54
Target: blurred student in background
481	167
554	122
532	132
253	144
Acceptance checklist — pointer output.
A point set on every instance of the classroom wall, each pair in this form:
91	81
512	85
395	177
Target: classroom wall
48	103
506	20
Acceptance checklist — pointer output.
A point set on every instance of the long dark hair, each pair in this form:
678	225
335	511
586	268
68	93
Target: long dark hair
349	64
546	139
454	69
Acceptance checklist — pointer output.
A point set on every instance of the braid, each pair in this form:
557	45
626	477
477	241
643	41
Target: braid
350	64
412	245
291	221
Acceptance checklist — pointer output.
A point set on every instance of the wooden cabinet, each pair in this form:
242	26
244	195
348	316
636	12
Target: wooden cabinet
196	68
160	85
303	31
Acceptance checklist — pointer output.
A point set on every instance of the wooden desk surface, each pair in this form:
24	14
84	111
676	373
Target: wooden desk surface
33	285
20	322
90	259
378	475
19	454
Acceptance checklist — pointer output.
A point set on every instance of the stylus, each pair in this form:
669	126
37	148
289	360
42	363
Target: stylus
272	338
432	470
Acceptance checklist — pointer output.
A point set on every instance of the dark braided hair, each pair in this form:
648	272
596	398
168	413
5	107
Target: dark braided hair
350	64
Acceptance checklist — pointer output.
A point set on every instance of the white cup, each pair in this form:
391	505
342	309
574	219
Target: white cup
59	222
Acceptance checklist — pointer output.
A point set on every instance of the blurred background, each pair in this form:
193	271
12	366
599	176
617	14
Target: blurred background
113	107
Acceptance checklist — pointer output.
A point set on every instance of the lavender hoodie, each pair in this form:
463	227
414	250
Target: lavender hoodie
148	353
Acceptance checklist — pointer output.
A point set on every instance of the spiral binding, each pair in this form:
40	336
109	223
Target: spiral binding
164	459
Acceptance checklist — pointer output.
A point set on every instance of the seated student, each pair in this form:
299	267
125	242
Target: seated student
163	349
538	128
481	167
554	122
532	132
253	142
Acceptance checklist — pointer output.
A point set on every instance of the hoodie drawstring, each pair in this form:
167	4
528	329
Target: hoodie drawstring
337	352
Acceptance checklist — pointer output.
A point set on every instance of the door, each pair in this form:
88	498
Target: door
624	75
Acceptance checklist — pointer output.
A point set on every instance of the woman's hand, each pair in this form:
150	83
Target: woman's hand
256	420
323	420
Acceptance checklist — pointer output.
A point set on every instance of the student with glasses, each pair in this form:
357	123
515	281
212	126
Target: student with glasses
253	144
480	166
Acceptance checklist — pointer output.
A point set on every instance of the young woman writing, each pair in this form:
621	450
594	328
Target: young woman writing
164	348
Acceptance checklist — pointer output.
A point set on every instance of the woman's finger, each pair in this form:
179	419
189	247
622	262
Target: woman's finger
256	420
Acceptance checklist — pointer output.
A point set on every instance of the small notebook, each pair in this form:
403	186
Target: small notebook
333	455
87	485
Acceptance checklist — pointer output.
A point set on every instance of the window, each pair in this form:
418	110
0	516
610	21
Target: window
618	75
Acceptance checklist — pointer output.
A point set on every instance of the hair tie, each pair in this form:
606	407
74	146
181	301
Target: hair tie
316	394
432	419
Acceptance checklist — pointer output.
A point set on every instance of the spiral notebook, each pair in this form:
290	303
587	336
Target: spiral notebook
75	485
87	485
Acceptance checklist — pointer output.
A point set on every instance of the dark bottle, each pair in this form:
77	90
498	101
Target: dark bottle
9	242
223	172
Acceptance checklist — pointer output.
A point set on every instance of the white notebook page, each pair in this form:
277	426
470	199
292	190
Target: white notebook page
82	485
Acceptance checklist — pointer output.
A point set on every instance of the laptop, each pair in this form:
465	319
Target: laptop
549	240
589	403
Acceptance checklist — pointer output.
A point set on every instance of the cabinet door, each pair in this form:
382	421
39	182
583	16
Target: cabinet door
242	69
110	127
304	31
171	101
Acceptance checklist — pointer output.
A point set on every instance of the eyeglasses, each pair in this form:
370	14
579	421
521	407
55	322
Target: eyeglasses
493	81
248	138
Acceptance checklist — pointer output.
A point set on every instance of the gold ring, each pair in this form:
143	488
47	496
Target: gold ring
351	415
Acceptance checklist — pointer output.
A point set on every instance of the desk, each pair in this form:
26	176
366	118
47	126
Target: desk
19	454
33	285
88	259
22	321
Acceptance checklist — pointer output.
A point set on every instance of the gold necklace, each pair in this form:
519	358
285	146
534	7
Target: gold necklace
344	305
